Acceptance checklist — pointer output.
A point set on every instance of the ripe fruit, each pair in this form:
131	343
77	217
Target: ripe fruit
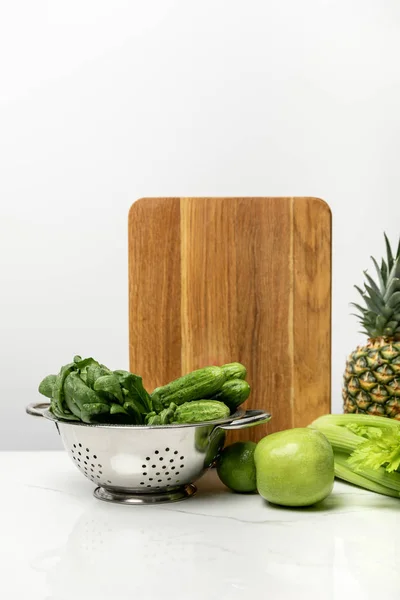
236	467
372	376
294	467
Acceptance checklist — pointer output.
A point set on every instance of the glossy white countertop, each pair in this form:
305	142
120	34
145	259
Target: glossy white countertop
59	543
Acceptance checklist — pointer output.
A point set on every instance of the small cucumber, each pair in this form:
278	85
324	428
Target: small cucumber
199	411
194	386
234	370
233	393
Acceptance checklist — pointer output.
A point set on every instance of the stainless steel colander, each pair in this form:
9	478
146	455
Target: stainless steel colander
139	464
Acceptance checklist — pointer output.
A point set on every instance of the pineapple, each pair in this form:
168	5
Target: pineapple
372	376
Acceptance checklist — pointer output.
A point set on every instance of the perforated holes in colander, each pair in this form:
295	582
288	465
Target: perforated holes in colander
162	469
89	464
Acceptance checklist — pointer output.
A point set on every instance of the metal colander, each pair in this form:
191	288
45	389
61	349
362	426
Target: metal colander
138	464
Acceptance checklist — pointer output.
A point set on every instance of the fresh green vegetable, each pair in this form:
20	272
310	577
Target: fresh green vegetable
132	387
87	391
366	450
93	411
46	386
109	384
77	393
199	411
69	394
198	384
154	419
64	416
93	372
372	480
233	393
131	408
380	449
58	397
234	370
165	417
168	414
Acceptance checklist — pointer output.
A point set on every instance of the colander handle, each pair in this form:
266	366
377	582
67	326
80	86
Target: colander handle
36	409
250	418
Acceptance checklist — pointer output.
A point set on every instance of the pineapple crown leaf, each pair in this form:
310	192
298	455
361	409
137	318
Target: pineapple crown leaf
357	306
380	322
393	287
380	276
372	283
380	317
384	271
394	300
394	273
375	297
390	259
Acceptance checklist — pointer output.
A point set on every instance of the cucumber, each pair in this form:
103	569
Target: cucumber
165	417
233	393
234	370
199	411
198	384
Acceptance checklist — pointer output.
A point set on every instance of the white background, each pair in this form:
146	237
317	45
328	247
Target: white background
105	101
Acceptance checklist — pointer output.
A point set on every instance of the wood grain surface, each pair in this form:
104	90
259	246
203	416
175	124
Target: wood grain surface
216	280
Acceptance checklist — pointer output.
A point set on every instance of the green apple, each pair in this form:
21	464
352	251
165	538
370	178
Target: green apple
294	467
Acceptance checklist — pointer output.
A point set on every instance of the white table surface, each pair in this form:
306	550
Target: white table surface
58	542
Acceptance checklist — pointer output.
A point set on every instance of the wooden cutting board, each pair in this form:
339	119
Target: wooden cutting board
217	280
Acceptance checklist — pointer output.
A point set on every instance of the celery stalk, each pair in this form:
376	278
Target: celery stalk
356	419
366	450
344	472
380	476
340	438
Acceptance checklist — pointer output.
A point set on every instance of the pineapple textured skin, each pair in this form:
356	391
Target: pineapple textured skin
372	375
372	379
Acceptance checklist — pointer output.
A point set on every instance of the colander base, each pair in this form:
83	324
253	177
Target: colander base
175	495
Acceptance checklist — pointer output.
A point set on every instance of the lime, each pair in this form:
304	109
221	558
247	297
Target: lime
236	467
294	467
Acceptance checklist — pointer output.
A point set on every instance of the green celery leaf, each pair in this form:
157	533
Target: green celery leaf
364	430
383	450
